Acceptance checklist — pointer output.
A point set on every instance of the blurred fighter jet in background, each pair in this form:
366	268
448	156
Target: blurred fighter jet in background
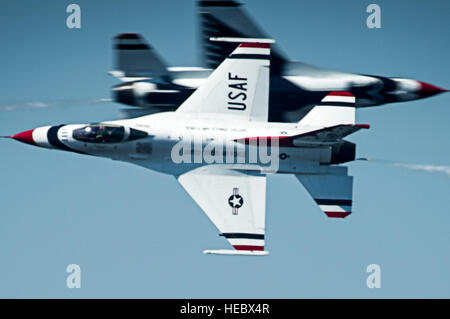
295	87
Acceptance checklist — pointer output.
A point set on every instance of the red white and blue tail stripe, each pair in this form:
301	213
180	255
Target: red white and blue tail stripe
251	50
335	109
339	98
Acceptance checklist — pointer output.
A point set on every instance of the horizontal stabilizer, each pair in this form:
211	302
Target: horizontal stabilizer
329	134
332	193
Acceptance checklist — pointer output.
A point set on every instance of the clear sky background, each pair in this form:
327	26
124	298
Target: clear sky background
136	233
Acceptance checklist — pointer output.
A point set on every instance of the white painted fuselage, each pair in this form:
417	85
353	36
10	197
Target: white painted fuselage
166	130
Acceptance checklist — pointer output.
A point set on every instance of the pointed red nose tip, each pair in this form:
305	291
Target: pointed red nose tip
430	88
25	137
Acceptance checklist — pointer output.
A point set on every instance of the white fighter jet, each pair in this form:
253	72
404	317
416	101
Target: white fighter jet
220	146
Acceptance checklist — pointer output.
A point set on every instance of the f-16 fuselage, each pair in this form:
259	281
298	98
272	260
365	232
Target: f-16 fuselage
175	143
299	86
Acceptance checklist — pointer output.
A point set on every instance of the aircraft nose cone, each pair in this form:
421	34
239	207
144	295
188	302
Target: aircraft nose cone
25	137
430	89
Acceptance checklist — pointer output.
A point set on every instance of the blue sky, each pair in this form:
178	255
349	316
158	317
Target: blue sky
136	233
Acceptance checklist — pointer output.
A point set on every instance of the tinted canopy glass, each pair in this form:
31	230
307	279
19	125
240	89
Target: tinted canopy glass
100	133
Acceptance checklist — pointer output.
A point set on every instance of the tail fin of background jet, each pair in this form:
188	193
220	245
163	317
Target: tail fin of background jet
229	19
336	108
136	58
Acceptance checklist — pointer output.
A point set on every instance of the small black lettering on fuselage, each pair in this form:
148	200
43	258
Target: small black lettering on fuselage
236	95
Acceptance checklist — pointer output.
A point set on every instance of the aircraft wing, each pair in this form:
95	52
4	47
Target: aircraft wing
236	204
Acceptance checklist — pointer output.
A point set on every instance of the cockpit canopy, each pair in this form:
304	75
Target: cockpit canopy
100	133
106	133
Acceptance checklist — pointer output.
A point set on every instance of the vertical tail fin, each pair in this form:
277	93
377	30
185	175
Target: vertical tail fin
334	109
239	87
135	58
228	18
